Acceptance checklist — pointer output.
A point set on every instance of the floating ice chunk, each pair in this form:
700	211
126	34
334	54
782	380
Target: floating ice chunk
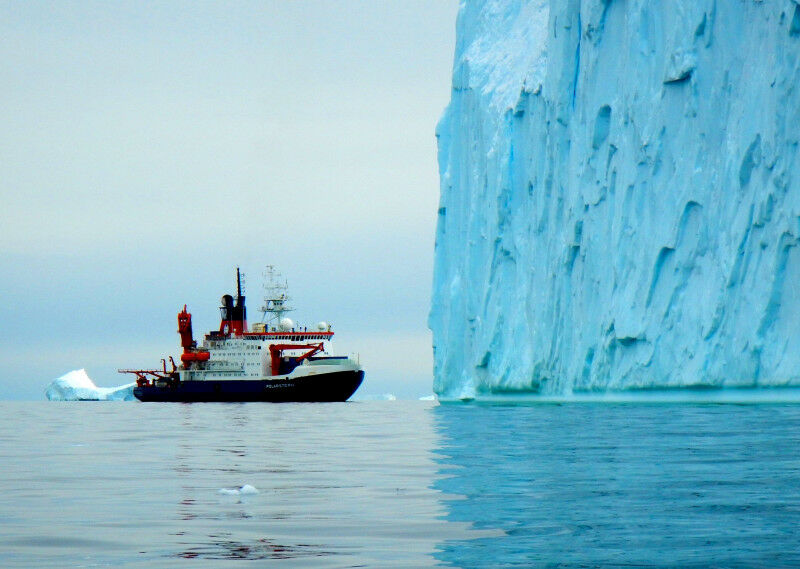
77	386
379	397
430	397
246	490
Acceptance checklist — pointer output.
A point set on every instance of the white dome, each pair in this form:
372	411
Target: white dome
286	324
322	326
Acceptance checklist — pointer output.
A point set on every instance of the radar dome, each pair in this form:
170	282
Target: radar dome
286	324
322	326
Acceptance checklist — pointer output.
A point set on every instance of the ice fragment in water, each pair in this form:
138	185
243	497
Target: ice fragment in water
245	490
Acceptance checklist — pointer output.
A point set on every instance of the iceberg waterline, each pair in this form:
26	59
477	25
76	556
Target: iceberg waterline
76	385
620	205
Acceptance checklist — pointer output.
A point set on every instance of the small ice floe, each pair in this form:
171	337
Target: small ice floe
376	397
78	386
430	397
245	490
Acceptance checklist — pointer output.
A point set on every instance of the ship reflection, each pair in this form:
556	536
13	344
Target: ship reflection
362	487
202	509
222	547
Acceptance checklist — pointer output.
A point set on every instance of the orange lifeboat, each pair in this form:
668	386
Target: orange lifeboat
187	357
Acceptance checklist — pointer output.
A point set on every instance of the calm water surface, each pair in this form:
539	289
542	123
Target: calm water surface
399	484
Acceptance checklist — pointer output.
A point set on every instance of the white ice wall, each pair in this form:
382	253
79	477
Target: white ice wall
620	197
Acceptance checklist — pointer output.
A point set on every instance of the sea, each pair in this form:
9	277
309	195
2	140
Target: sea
399	484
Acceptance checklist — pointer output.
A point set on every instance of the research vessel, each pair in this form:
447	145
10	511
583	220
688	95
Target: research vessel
274	361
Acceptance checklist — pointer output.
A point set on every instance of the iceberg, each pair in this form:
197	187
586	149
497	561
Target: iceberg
620	198
77	386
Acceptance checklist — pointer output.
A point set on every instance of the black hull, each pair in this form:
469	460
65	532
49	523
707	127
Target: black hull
327	387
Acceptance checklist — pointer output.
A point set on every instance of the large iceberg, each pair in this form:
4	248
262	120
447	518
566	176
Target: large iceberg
620	197
78	386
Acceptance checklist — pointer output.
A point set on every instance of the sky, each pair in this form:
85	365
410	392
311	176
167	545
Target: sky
147	149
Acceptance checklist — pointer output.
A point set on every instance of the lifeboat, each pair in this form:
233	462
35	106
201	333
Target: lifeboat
188	357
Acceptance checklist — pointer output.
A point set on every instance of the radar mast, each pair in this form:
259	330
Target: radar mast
276	297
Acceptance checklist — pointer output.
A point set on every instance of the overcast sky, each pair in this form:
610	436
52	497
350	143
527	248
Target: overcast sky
147	149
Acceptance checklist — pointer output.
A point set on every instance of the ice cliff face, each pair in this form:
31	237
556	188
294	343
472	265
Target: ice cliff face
620	197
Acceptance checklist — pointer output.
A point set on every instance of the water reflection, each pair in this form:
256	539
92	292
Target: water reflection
222	547
599	485
349	485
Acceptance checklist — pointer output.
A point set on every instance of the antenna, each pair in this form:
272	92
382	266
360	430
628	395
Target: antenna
276	296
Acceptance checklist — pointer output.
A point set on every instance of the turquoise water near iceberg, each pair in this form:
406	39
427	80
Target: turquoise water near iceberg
623	485
399	484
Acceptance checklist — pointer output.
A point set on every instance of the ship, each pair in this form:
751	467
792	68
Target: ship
274	361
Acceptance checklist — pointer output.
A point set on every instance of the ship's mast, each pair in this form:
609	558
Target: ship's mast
233	317
276	297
